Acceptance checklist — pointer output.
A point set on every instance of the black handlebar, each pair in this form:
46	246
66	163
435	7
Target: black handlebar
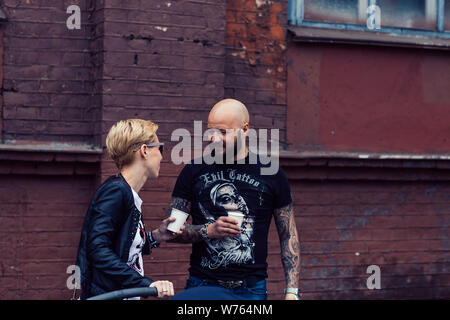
127	293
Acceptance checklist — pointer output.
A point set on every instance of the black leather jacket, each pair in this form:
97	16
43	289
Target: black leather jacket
108	231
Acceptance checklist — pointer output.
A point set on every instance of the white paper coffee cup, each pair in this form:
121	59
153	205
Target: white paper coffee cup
238	215
181	219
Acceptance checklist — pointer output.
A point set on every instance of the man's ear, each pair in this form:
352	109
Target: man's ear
246	127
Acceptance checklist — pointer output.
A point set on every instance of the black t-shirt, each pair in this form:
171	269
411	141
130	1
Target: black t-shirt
215	189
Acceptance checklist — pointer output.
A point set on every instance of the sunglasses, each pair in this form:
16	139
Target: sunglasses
153	144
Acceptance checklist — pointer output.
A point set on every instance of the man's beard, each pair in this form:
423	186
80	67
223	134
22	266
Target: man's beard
227	152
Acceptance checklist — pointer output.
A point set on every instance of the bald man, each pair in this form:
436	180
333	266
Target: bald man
231	205
231	115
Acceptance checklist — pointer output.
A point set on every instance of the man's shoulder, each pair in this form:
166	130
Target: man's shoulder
195	166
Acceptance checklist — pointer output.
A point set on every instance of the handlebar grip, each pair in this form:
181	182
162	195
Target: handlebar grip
127	293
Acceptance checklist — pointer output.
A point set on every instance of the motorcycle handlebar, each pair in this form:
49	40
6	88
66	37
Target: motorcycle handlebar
127	293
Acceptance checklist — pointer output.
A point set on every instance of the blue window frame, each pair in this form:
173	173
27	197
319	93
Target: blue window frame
421	18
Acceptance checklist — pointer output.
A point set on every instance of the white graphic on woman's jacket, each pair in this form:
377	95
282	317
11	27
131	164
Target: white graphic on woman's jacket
228	250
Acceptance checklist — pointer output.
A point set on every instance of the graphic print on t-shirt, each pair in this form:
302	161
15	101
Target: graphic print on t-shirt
219	195
135	256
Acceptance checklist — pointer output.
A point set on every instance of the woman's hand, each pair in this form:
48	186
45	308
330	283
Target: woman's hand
165	288
162	234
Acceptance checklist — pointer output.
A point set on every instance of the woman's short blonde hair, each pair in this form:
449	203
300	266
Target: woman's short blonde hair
126	135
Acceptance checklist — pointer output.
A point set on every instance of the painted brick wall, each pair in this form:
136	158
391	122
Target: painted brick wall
350	217
47	80
1	81
163	60
346	226
40	226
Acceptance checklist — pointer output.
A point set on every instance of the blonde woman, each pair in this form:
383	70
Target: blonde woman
113	238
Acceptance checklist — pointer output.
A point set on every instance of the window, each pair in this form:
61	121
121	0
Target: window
415	14
402	21
447	15
332	11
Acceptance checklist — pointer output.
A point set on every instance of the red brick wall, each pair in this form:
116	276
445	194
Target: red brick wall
47	79
353	214
1	82
347	226
40	225
170	62
256	60
163	61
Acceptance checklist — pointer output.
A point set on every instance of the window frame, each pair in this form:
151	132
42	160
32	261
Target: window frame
321	31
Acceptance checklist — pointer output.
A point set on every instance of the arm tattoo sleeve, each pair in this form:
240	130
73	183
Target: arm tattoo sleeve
191	233
290	249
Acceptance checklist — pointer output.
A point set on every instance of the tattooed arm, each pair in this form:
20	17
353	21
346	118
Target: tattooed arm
222	227
290	249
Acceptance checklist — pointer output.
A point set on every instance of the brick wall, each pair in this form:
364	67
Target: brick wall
256	60
347	226
170	61
163	61
40	227
351	215
1	83
47	80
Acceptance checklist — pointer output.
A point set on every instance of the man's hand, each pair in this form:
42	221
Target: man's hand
162	234
223	227
165	288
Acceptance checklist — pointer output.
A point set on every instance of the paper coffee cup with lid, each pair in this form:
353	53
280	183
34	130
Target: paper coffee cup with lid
181	217
237	215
